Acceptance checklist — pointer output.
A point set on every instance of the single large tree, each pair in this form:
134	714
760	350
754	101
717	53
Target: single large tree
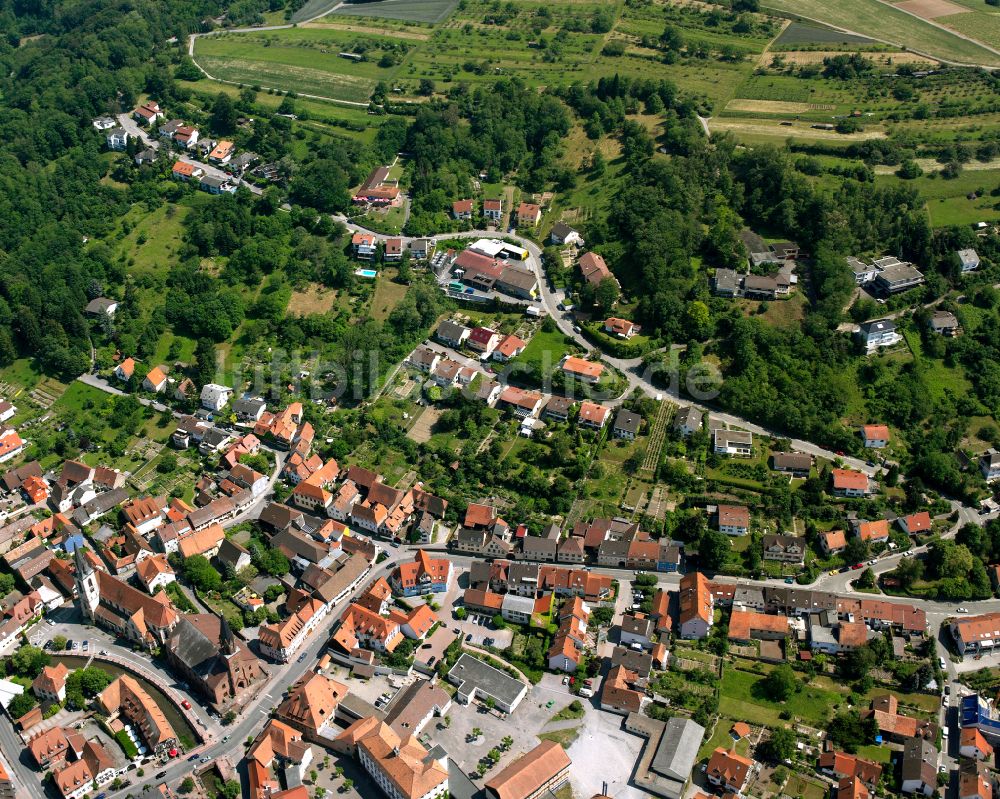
223	114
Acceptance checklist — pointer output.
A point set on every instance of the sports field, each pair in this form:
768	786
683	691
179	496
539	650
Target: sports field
882	21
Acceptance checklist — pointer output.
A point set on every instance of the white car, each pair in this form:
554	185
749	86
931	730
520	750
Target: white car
944	666
962	610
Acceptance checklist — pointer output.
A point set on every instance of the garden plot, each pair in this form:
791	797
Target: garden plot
423	427
885	59
776	106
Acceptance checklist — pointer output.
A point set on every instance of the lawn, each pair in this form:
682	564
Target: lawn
19	376
947	200
721	737
388	293
878	754
152	244
568	713
881	21
739	700
562	737
546	350
799	786
934	374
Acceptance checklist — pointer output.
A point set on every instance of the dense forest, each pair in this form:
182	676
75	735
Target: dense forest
78	60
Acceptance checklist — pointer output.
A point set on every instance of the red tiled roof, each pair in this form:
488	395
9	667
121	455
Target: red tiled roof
873	531
876	432
848	479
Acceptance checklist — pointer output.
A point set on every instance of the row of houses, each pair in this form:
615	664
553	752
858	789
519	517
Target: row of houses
697	599
364	246
213	184
526	215
729	283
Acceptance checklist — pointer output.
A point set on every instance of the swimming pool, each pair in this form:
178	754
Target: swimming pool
369	273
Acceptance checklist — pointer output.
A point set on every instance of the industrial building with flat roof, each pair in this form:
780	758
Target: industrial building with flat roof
476	679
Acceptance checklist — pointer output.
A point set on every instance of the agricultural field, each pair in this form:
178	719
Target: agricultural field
885	23
801	33
427	11
307	60
544	44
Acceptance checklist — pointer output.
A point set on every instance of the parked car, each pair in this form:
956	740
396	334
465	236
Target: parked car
185	704
962	610
192	758
161	775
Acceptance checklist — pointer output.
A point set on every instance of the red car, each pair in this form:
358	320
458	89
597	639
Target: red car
857	565
185	704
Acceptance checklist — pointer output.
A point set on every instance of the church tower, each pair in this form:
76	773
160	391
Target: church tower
86	584
227	641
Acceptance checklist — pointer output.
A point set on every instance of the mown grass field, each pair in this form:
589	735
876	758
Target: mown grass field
947	200
738	700
881	21
303	59
545	350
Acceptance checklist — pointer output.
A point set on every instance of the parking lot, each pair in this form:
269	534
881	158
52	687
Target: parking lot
374	690
481	628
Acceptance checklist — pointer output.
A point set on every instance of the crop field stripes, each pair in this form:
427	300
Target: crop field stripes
657	435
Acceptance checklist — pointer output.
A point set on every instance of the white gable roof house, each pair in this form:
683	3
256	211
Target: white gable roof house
969	259
214	397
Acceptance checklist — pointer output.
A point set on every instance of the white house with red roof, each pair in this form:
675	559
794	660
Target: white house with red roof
915	523
876	436
849	483
510	347
148	112
620	328
484	340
